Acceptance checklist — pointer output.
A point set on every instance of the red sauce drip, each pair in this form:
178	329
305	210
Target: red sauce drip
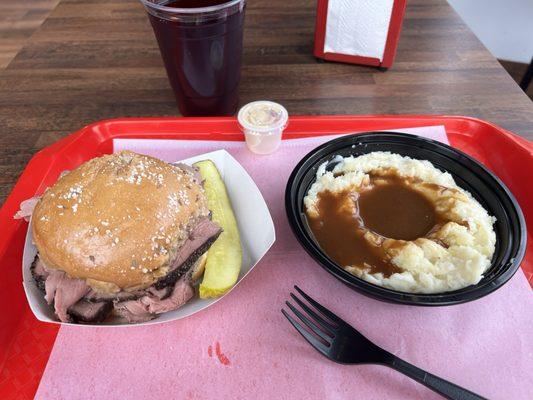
221	356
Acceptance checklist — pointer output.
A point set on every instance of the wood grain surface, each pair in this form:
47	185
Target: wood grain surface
96	59
18	21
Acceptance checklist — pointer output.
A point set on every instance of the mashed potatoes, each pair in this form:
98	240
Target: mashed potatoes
452	255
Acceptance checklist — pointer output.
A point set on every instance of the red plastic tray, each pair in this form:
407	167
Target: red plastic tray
25	343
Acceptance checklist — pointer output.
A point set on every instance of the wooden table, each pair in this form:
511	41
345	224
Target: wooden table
96	59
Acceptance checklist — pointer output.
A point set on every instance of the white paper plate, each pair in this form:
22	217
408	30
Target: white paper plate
255	226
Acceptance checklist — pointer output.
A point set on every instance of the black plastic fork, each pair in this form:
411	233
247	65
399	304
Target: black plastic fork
340	342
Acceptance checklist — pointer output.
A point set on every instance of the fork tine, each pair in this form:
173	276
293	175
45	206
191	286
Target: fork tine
328	326
311	339
332	317
310	324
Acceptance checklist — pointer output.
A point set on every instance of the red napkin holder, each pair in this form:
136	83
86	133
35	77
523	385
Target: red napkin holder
374	40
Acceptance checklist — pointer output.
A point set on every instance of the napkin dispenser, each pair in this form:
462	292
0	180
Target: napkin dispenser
358	31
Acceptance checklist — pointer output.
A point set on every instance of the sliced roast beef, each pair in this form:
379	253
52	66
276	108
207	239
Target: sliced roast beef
160	293
74	300
95	295
194	171
39	272
145	308
26	208
52	282
133	311
88	311
201	238
64	292
181	294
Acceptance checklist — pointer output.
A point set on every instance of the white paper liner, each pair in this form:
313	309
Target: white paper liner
255	226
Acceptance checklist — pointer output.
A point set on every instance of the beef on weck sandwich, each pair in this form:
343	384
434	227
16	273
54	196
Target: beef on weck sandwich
122	235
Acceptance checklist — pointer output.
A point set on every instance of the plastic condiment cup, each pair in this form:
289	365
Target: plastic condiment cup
263	123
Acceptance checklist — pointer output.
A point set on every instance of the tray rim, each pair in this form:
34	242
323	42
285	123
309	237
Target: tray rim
98	136
226	129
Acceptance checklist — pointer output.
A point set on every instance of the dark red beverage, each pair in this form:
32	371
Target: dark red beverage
201	45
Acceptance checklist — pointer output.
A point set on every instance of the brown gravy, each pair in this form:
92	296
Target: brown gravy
389	208
396	211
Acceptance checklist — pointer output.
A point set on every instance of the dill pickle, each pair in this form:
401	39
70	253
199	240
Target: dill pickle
224	257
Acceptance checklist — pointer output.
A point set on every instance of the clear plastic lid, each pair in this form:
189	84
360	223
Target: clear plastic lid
160	9
263	117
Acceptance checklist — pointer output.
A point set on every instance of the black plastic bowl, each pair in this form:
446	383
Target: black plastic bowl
469	174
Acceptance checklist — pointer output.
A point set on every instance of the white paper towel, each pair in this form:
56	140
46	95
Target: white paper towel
358	27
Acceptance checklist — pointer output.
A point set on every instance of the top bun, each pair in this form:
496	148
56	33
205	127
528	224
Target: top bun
118	220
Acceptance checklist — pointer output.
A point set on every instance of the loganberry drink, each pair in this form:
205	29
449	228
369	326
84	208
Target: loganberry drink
201	46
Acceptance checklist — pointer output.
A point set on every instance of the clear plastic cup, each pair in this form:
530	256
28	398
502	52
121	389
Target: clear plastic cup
201	45
263	123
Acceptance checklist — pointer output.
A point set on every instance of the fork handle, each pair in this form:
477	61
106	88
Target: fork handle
439	385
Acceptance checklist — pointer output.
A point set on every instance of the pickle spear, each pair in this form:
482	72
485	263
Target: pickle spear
224	257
